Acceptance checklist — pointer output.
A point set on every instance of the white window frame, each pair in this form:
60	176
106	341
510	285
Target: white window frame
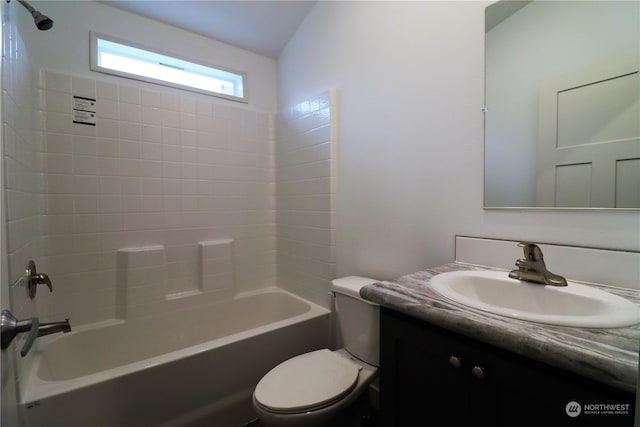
173	63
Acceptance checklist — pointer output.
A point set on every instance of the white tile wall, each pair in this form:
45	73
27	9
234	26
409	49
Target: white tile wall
305	197
169	171
23	165
157	169
23	139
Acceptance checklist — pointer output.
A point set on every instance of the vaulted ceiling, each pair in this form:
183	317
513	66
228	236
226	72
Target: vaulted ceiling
263	27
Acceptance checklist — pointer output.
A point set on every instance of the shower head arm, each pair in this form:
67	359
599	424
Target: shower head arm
27	6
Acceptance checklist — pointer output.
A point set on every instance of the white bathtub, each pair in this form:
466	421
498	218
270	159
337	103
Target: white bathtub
193	367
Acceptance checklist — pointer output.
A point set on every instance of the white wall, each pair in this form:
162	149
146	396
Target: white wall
410	146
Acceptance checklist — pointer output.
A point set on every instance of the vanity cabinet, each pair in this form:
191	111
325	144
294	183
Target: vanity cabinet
430	376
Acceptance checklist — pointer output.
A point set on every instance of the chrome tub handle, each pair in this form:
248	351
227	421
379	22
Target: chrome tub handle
34	279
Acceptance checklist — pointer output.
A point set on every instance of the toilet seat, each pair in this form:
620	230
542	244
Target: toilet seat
307	382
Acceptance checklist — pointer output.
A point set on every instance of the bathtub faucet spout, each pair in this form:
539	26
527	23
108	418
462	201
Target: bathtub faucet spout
54	327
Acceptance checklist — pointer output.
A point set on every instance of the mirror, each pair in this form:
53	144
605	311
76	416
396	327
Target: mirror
562	104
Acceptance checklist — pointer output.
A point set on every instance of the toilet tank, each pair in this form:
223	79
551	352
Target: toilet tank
358	320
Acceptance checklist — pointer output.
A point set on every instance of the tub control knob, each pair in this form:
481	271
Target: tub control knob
34	279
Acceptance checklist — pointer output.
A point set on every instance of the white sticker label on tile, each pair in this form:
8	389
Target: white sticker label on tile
86	104
84	110
84	117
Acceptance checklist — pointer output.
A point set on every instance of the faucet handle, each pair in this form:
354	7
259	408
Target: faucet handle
34	279
532	252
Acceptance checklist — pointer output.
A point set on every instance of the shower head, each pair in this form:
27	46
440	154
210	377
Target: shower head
43	22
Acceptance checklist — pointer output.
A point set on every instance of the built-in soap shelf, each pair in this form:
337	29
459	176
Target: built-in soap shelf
216	265
142	276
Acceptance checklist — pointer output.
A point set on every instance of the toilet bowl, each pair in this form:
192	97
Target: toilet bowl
324	387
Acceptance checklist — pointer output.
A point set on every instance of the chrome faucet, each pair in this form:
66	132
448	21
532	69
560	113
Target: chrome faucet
54	327
531	268
10	327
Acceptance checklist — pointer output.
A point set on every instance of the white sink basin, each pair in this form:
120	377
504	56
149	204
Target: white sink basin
572	305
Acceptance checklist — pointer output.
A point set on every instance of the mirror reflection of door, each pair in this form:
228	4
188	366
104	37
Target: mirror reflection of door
589	139
562	73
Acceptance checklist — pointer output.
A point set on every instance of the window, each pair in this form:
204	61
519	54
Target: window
112	56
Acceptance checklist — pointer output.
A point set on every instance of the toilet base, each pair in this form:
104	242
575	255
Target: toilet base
358	414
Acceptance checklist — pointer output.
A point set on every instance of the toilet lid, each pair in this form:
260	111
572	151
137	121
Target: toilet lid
310	380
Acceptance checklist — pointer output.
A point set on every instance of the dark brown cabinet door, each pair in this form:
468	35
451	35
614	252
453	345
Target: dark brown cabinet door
431	376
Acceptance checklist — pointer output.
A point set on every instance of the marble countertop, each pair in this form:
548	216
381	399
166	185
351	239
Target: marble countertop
609	356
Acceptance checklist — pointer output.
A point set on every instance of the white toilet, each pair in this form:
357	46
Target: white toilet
324	387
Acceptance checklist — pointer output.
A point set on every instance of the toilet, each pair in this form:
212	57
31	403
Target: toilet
325	387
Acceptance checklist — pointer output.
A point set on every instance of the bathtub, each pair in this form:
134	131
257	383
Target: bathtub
195	367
